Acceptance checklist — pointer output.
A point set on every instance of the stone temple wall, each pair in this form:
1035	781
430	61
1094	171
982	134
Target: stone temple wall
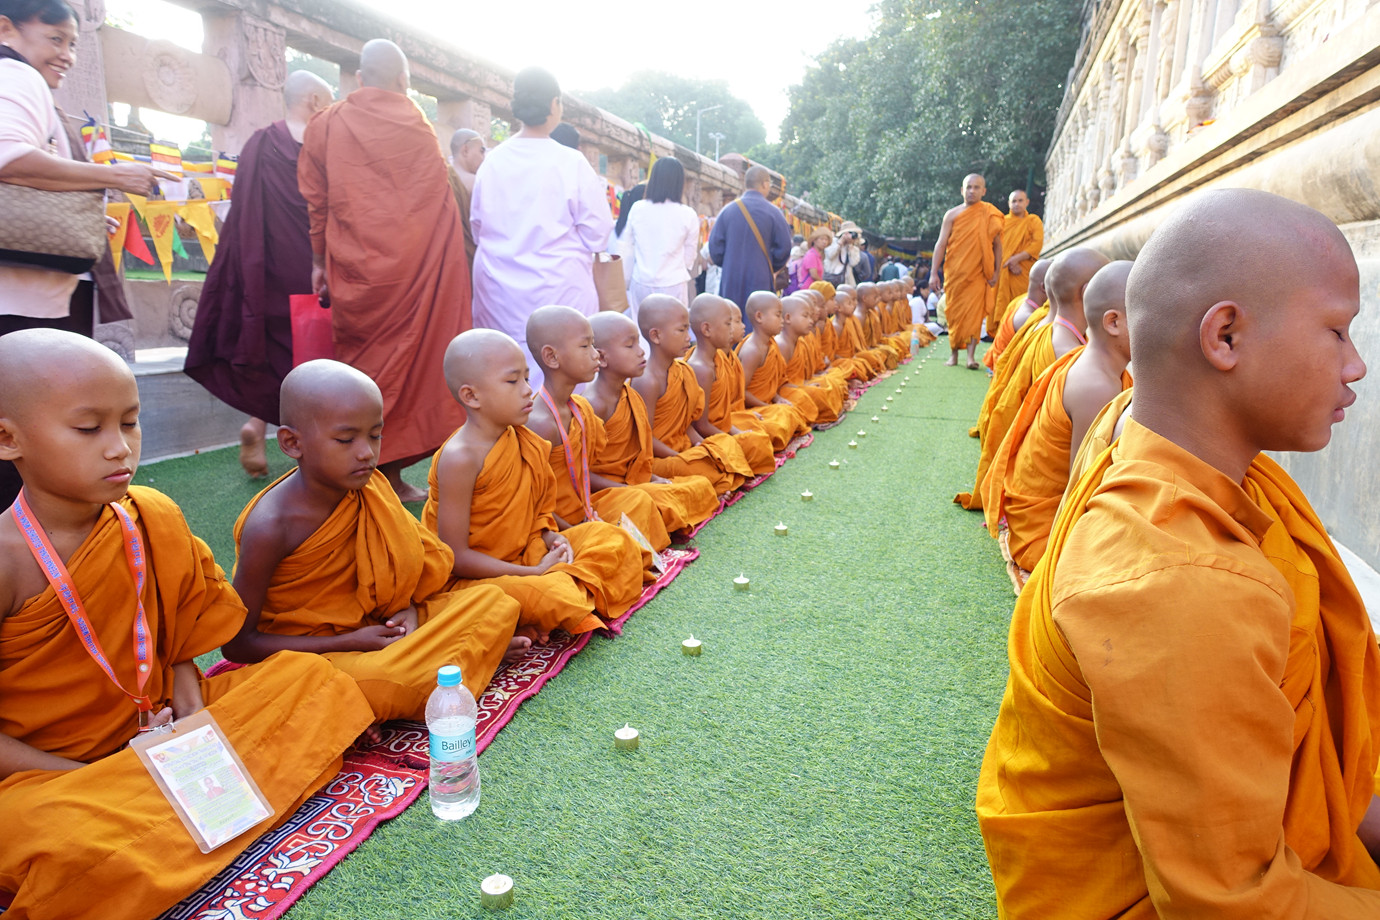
1169	96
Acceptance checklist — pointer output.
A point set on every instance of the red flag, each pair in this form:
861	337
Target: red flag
135	245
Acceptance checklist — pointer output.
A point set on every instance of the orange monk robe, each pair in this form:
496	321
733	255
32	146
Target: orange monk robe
101	841
718	458
769	381
1018	234
1026	365
369	560
728	409
1002	369
514	501
856	336
1101	434
382	212
968	265
609	504
845	354
1190	723
821	371
1006	328
825	399
1030	470
626	456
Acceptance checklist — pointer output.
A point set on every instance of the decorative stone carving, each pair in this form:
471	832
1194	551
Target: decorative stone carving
1128	166
265	53
182	311
1198	104
169	78
163	76
118	337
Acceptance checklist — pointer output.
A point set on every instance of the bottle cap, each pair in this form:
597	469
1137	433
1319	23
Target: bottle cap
448	676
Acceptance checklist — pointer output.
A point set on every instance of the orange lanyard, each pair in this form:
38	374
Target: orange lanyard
58	576
580	482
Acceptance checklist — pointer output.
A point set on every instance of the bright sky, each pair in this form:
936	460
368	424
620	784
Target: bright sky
760	47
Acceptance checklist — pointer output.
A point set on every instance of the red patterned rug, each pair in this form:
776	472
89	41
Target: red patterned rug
375	784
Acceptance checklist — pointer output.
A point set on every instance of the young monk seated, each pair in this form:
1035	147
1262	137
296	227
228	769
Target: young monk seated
1031	468
1018	311
911	322
760	432
849	353
493	502
561	341
824	399
1031	352
329	561
675	402
821	366
626	454
1189	727
88	834
870	316
764	367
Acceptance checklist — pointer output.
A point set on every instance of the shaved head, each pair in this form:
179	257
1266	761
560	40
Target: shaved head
314	389
1106	291
1038	271
657	311
32	361
608	325
480	354
794	304
554	325
760	300
383	65
460	138
706	308
756	176
304	89
1068	276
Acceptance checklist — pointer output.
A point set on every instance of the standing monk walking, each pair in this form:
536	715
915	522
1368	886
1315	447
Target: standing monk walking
969	248
388	248
241	345
1022	239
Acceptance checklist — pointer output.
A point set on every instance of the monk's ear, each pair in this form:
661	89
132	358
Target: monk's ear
603	359
467	397
550	357
1113	323
290	442
654	335
1219	333
9	445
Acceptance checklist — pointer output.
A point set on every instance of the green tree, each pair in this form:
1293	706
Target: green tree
666	104
885	128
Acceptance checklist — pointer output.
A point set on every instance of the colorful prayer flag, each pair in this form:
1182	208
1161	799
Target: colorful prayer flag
200	218
166	157
160	216
119	210
96	141
135	245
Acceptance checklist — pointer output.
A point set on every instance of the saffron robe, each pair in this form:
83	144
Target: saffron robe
382	212
626	456
825	398
1189	727
1100	436
763	431
1005	330
369	560
717	458
609	504
1018	234
856	333
769	381
102	841
968	265
847	348
514	501
241	344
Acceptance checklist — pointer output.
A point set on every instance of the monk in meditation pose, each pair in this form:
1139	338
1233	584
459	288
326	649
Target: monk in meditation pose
330	561
1018	311
493	502
1022	240
764	367
675	402
850	351
626	456
798	321
1190	724
561	341
969	250
1031	468
1031	352
760	432
870	318
88	834
388	250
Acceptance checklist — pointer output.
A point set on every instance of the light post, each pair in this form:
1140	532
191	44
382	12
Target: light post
698	113
716	136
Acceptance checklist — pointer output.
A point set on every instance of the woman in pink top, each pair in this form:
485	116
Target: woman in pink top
811	267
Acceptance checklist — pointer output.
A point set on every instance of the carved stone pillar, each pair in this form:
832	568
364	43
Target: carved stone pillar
255	50
466	113
592	153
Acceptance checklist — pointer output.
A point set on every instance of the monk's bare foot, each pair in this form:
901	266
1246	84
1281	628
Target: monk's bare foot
410	493
972	365
372	735
253	456
517	648
953	360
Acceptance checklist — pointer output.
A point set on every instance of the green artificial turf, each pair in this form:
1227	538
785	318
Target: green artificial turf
818	760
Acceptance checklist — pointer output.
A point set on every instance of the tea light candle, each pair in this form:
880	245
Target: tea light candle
626	738
886	408
875	419
741	583
862	434
690	647
898	391
807	496
780	529
888	399
833	464
852	443
496	892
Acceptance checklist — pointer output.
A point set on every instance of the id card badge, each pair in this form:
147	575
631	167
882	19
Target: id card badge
658	562
198	771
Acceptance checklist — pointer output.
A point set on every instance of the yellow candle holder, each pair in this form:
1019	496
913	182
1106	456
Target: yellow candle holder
626	738
886	408
853	444
691	647
807	496
496	892
741	583
862	434
833	464
780	529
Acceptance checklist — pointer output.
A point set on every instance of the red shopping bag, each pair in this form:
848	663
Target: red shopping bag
311	329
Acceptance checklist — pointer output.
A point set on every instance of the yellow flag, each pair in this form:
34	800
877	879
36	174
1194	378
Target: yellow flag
197	214
120	211
138	202
212	187
159	217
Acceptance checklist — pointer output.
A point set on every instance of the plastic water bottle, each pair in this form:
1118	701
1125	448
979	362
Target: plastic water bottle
914	342
450	718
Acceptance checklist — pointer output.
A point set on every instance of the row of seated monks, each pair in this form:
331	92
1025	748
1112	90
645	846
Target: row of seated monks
1191	722
343	604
